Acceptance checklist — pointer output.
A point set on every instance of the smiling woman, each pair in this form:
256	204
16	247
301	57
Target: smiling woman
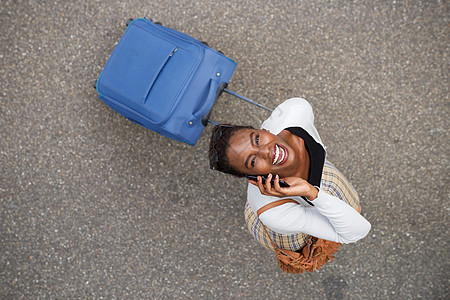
256	152
288	147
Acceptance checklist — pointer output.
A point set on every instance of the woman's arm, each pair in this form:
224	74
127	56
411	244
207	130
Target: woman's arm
330	218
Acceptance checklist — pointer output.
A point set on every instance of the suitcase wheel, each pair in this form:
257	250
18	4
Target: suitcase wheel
207	45
131	20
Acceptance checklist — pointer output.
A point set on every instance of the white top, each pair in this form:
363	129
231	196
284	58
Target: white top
330	218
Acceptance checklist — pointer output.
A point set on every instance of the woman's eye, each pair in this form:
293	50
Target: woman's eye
253	161
257	139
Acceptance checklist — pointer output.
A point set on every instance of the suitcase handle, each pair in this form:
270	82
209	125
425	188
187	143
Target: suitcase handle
207	105
205	118
223	88
246	99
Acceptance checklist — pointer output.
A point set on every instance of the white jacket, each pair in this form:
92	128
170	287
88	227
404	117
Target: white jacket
330	218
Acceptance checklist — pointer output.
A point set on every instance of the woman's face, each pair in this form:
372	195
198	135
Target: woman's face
259	152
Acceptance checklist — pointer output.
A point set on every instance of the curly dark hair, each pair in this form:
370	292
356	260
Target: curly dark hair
218	146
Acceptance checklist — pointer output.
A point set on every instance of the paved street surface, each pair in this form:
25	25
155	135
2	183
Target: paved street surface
93	206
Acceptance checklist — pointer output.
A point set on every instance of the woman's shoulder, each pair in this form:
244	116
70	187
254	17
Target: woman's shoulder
294	112
296	101
294	105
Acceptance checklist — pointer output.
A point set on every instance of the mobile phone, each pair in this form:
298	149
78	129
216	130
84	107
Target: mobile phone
264	177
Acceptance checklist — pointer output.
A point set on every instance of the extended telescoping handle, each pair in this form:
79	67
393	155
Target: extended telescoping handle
246	99
223	88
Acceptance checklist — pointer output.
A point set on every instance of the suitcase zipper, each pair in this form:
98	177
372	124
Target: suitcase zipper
175	50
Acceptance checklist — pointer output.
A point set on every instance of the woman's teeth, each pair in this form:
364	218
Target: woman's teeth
279	155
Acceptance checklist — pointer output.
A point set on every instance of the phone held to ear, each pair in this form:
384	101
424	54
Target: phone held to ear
282	184
264	177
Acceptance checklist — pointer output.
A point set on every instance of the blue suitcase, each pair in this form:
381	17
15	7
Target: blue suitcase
164	80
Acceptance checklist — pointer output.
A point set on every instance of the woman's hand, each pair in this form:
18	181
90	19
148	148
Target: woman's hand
298	187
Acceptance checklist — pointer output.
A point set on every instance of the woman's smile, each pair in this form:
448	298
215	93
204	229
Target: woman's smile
281	154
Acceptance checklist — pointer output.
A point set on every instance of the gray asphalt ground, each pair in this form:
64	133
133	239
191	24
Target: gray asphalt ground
96	207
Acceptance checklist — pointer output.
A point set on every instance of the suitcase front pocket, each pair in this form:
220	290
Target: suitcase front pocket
168	86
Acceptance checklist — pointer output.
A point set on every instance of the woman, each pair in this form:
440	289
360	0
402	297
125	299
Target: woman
288	147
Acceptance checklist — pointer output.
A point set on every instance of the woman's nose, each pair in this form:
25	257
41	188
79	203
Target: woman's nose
264	151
